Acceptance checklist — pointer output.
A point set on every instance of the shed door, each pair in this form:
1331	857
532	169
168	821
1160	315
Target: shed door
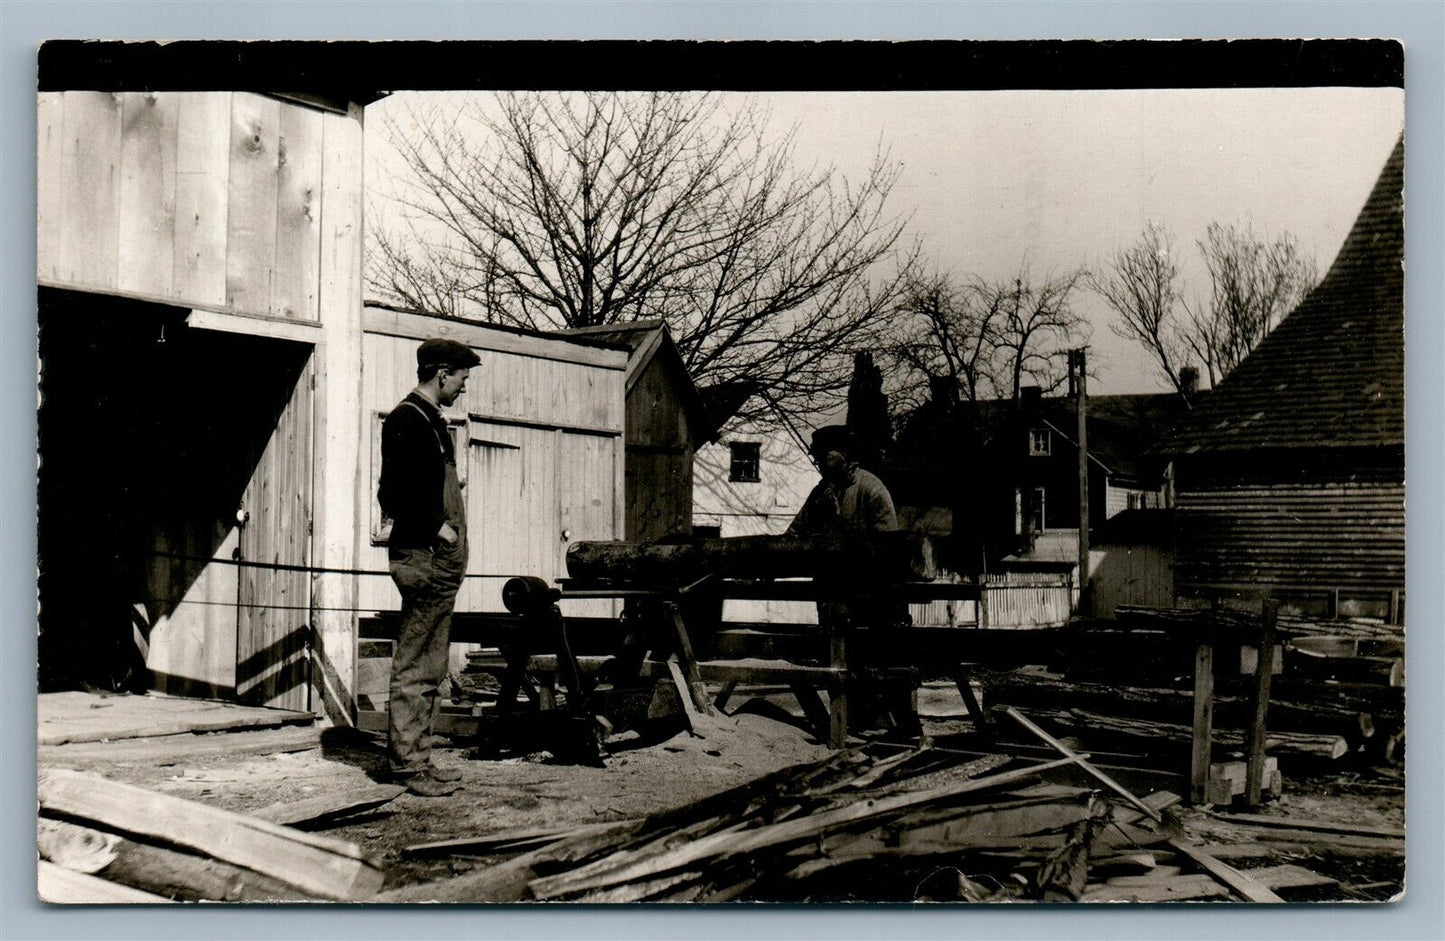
273	626
530	492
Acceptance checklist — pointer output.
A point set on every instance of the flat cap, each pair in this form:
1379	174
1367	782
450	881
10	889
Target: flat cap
832	438
449	353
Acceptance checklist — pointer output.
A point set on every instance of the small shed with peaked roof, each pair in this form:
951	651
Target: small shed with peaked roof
666	422
1290	477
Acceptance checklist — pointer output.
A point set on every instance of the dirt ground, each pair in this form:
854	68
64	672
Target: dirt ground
645	776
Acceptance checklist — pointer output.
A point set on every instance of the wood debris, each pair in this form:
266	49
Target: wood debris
181	849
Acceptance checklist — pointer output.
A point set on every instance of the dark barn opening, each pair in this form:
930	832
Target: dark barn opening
156	439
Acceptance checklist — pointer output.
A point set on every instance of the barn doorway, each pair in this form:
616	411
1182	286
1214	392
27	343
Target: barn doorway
174	504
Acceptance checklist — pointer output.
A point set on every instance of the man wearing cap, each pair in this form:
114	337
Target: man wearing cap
427	551
852	501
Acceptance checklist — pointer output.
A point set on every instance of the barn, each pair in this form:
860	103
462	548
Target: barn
212	392
1290	477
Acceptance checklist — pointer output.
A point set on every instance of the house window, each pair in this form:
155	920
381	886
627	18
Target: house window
1038	442
1038	509
1135	500
746	456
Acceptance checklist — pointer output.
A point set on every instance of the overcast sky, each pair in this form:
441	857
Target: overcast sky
1061	178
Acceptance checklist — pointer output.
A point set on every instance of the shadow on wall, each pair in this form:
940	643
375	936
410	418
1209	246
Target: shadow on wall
149	433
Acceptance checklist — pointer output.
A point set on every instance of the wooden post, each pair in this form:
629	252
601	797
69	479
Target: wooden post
838	692
1203	722
1254	771
686	659
1082	408
980	718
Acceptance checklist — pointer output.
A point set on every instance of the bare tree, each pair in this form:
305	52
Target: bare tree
557	210
1254	284
944	333
1037	326
1141	283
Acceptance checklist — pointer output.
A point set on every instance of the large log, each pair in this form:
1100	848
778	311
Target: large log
876	556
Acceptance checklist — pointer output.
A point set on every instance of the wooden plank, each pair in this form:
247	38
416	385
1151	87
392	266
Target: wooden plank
1172	890
1202	731
1079	759
147	231
339	430
319	865
686	697
49	183
61	886
513	839
341	802
295	289
373	676
686	659
1154	876
1255	743
1289	876
251	202
254	325
90	180
181	748
1251	889
203	158
481	336
1322	826
165	872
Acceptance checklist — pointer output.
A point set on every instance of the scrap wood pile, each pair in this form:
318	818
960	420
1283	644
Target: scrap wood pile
103	841
1130	683
923	825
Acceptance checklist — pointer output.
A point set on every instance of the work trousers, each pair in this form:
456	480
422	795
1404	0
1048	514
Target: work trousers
428	581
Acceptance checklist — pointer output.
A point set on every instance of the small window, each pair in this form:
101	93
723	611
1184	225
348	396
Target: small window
1038	442
746	456
1038	509
1135	500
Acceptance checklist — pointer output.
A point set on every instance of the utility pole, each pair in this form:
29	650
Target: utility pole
1078	380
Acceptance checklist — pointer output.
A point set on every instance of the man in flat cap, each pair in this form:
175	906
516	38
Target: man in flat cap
852	501
427	550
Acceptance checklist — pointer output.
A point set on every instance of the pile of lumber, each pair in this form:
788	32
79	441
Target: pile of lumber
1337	689
1141	616
920	825
104	841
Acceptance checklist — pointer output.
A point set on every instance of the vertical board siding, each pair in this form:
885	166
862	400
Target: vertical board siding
203	199
1131	575
251	201
1348	536
90	190
298	214
203	160
147	235
1019	600
340	521
526	483
49	183
274	616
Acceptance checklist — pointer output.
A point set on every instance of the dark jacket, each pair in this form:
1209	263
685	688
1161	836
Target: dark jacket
416	448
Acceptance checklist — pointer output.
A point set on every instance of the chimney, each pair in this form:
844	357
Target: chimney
1030	401
1188	381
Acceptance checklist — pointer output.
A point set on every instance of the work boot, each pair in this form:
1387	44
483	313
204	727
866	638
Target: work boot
425	784
445	774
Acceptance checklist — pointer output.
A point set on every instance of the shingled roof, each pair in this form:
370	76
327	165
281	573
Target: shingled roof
1332	374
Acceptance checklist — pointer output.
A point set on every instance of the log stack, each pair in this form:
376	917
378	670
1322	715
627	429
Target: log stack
101	840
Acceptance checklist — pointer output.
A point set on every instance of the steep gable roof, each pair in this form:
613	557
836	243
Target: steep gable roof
650	340
1332	374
